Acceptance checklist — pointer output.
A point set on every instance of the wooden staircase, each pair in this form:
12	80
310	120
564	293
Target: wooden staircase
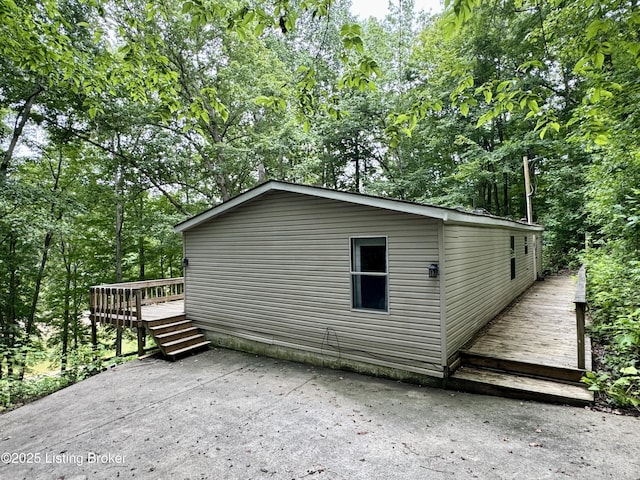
176	336
516	379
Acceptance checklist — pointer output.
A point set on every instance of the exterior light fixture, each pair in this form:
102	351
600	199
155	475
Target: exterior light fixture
185	262
433	270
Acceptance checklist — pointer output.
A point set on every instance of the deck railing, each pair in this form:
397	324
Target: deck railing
120	304
581	306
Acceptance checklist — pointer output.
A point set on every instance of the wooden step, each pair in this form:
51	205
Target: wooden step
170	347
176	334
192	348
503	384
169	327
165	321
563	374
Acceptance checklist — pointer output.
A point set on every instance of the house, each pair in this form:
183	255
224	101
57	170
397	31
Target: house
371	284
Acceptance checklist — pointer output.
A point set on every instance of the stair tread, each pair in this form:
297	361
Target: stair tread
182	340
469	353
520	367
189	348
172	333
163	320
168	325
522	383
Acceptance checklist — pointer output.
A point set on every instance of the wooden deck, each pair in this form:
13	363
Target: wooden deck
153	306
161	311
540	328
531	349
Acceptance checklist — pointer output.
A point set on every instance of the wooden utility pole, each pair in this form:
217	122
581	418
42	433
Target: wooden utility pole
528	194
527	188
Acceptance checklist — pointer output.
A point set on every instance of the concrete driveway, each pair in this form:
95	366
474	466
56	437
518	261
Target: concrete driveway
229	415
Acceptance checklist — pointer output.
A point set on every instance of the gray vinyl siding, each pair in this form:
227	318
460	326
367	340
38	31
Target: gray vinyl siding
478	282
277	270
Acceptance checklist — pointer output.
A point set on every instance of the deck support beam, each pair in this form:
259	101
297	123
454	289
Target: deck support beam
94	334
581	307
118	341
141	336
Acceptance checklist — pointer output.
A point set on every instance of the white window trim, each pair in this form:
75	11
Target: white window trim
373	274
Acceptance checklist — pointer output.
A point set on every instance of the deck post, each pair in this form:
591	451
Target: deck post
581	307
139	323
140	339
94	333
580	313
94	297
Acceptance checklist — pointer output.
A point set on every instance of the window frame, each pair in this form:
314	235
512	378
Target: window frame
353	273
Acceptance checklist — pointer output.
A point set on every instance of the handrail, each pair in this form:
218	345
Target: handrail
145	283
581	306
120	304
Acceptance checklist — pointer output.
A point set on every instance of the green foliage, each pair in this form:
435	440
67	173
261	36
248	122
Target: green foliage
615	303
82	363
623	388
118	120
590	40
14	392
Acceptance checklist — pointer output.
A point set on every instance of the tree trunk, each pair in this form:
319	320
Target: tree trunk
357	166
505	193
67	309
36	292
141	259
48	238
21	121
76	302
118	234
11	320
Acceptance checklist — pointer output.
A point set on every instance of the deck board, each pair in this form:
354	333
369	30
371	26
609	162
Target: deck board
159	311
539	328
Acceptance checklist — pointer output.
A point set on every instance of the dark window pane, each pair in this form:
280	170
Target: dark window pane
373	258
370	292
369	255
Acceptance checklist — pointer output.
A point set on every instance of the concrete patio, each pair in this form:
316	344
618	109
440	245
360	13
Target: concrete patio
228	415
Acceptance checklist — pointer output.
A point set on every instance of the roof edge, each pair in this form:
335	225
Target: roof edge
445	214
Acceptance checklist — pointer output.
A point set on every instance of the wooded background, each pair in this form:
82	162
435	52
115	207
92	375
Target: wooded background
120	118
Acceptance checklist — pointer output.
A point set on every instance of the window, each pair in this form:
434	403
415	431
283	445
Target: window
513	257
526	245
369	283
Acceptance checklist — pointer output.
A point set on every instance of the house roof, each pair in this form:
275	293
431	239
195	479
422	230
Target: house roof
448	215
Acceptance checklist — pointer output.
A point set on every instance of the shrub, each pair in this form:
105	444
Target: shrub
615	309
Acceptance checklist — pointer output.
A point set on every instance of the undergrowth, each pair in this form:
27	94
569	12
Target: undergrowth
81	364
614	296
